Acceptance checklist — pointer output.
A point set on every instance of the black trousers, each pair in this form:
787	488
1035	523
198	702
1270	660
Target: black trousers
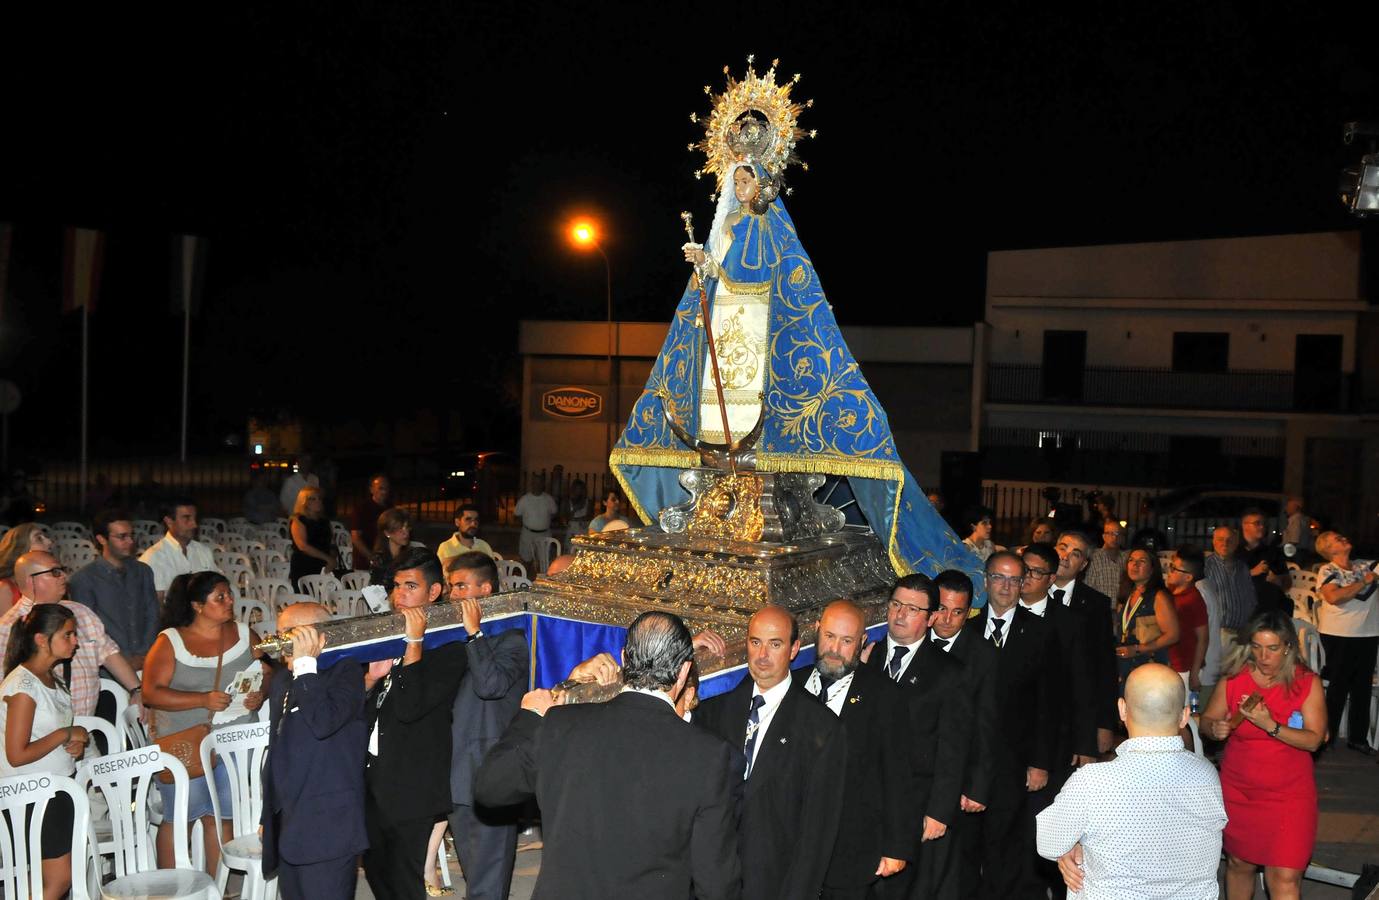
397	850
486	843
333	879
997	848
1350	670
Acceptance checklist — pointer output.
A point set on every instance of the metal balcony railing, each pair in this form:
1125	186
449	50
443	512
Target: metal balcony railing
1151	387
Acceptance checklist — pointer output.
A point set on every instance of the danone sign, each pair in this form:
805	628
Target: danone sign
571	403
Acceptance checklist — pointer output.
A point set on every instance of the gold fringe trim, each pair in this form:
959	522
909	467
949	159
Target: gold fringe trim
831	465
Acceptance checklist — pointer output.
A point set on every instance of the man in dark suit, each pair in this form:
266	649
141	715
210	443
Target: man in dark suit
939	720
488	698
634	802
407	767
1074	678
873	838
315	774
1074	551
796	757
978	657
998	845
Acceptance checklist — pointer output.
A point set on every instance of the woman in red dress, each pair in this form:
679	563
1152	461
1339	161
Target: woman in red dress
1266	769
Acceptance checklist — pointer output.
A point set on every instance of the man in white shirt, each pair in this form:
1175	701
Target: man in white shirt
292	484
178	553
537	510
1155	789
466	537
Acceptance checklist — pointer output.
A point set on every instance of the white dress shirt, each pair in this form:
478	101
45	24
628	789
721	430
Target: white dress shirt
1039	607
771	699
1008	617
837	692
910	650
167	560
1149	823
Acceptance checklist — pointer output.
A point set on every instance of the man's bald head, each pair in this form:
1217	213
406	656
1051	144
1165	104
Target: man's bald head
776	615
843	617
1154	704
304	613
46	588
560	564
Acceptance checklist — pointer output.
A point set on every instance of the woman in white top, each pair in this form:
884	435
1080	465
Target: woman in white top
1348	620
36	716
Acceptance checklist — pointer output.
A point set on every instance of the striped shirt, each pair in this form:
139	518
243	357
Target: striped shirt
1235	590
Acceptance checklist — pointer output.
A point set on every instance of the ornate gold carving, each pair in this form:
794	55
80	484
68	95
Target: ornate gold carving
730	509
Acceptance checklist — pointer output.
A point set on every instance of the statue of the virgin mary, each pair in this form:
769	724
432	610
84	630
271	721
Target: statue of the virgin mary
789	383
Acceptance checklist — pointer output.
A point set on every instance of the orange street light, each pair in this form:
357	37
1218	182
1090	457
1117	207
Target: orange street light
584	234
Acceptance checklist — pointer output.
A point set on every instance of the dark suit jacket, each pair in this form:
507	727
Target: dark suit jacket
792	801
410	777
313	784
1074	681
874	821
933	688
635	803
1101	644
489	696
978	658
1026	727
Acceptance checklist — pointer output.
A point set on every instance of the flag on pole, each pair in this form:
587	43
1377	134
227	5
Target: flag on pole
83	250
188	272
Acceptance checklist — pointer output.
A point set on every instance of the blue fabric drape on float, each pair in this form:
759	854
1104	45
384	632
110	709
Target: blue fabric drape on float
820	415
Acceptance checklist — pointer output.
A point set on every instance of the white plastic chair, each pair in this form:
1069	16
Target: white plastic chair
120	777
21	859
1310	644
513	583
75	529
279	570
262	557
102	843
135	733
547	550
76	554
241	749
350	603
269	592
250	611
322	588
511	568
210	526
115	689
355	581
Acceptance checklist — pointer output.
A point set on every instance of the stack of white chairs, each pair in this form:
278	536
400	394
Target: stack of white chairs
350	603
344	544
272	593
1303	592
262	556
233	543
355	581
120	777
115	689
252	612
146	534
240	525
76	553
241	749
21	862
210	527
279	569
71	530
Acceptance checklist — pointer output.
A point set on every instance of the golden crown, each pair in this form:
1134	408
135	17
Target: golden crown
753	120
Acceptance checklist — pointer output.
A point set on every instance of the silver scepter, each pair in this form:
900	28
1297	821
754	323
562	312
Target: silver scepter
444	624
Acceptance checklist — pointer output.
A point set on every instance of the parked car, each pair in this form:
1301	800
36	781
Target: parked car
1190	516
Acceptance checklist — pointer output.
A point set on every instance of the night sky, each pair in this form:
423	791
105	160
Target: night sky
384	185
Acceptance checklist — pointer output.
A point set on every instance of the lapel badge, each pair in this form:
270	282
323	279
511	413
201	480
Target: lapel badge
914	678
782	740
854	699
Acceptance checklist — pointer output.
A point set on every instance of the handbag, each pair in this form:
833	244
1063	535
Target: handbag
185	745
1147	630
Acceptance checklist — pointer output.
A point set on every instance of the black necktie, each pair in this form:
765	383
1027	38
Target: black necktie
996	625
753	723
894	668
1057	595
940	643
824	684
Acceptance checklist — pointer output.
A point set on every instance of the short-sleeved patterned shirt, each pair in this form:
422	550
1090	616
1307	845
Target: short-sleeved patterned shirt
94	646
1149	823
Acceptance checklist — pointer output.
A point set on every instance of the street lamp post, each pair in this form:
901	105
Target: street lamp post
585	235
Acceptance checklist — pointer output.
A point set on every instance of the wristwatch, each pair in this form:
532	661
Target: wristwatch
1278	726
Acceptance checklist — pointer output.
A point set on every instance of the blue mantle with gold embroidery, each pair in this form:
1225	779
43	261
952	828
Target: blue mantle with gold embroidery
819	414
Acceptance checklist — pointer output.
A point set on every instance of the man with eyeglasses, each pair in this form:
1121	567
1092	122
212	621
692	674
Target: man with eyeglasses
42	579
1107	562
940	720
1074	679
998	845
1074	553
1188	656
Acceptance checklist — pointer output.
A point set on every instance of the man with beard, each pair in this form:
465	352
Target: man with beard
795	750
873	840
466	538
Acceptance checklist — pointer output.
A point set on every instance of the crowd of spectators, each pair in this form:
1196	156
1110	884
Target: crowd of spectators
1022	748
